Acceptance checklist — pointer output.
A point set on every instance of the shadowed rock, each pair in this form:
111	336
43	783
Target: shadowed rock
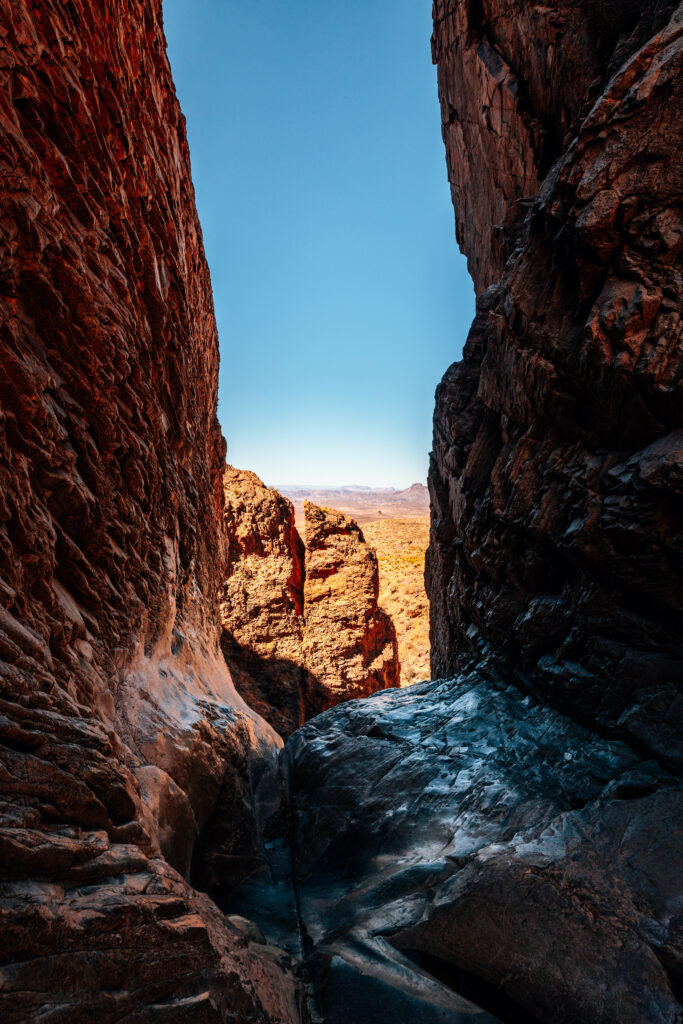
488	837
556	471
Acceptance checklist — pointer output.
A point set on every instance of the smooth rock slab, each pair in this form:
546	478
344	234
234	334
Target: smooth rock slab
491	839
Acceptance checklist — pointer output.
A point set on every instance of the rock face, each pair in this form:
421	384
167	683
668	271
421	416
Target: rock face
510	834
458	841
262	600
557	464
302	630
119	723
350	647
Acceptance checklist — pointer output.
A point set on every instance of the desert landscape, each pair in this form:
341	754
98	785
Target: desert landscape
396	524
364	504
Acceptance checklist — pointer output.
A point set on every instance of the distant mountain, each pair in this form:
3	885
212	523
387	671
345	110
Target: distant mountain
364	503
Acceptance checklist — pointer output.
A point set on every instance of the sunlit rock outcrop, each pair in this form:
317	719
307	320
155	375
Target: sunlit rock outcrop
302	629
350	647
262	600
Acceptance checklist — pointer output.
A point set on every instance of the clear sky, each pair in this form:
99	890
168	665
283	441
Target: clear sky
341	296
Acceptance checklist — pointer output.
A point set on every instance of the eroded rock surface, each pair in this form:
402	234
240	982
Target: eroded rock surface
456	837
119	722
302	629
557	463
262	600
350	647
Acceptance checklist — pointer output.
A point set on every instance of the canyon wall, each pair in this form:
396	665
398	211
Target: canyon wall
350	646
119	723
504	843
556	471
302	630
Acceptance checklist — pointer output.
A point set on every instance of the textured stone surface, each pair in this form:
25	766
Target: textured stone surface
119	722
556	471
459	831
514	80
350	647
302	630
262	600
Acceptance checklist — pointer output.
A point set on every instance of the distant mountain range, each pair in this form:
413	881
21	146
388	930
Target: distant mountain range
364	503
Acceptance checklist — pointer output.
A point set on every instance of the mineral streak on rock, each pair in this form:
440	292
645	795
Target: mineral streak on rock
301	626
119	717
556	473
350	647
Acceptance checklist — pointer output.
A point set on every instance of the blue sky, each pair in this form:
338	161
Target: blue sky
340	293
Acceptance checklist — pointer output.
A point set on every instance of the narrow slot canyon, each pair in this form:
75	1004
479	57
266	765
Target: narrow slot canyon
231	789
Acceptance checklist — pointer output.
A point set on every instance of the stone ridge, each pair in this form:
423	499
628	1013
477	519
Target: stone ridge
119	722
556	473
262	600
302	630
350	646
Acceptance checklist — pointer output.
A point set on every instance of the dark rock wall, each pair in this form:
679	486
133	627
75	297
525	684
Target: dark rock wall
118	718
556	470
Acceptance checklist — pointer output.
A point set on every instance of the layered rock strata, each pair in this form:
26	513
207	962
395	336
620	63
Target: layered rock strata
119	722
302	629
557	463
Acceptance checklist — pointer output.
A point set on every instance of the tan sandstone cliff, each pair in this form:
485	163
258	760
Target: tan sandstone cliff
302	630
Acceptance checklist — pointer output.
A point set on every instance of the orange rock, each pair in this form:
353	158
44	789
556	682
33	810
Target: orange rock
301	629
350	647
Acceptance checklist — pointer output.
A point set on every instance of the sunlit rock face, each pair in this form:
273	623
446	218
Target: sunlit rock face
556	470
118	716
302	630
350	647
262	599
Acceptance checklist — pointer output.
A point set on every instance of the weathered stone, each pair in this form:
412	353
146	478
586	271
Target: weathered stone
262	600
556	471
350	647
302	629
113	689
458	830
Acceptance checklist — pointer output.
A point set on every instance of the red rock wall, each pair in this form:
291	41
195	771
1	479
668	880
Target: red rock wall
556	470
262	600
118	716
